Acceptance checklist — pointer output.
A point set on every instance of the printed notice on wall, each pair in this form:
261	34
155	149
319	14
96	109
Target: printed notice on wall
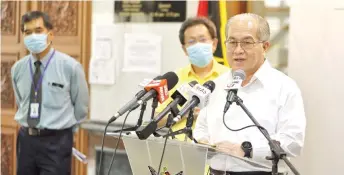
103	48
142	53
102	41
102	63
102	71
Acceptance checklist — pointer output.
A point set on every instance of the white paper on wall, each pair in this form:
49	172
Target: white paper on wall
103	48
102	63
142	53
102	71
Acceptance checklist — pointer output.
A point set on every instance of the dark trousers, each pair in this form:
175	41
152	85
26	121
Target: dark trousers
218	172
49	154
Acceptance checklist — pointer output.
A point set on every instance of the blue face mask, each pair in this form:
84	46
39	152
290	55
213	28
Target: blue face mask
200	54
36	43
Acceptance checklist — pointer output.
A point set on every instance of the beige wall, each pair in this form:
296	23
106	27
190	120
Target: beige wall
316	62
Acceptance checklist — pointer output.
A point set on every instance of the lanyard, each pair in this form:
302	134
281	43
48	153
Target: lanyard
40	78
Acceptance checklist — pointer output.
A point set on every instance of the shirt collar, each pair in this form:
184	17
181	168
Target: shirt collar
45	59
214	70
262	73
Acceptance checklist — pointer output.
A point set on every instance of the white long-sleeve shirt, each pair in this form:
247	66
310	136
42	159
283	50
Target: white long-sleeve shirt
274	100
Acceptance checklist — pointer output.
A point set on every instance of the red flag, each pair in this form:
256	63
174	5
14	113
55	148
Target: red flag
202	8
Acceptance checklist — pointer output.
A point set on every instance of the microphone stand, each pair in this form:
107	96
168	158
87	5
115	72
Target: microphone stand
154	105
277	152
139	121
168	125
188	128
169	122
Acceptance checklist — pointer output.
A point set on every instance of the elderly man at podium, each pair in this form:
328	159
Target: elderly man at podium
272	98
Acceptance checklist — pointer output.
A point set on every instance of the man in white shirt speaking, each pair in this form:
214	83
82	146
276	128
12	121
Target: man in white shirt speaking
273	98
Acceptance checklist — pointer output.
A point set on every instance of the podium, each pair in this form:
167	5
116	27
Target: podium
180	157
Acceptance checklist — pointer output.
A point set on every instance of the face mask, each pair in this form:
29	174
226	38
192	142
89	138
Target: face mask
36	43
200	54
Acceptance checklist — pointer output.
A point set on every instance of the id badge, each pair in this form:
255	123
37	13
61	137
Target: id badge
34	110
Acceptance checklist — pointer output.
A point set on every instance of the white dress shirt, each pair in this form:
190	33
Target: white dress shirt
274	100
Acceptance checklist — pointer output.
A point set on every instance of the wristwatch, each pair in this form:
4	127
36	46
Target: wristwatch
247	148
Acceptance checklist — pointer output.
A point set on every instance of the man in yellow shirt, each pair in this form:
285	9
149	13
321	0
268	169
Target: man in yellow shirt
199	41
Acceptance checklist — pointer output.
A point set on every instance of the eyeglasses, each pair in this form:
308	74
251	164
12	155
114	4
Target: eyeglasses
246	45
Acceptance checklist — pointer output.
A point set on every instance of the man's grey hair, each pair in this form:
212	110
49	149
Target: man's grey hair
263	32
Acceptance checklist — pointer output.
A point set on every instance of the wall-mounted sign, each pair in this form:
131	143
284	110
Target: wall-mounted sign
150	11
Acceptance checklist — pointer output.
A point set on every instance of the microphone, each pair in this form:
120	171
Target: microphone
160	88
199	97
238	77
182	91
132	104
179	98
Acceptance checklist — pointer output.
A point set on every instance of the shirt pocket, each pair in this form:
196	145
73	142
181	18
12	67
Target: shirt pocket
56	95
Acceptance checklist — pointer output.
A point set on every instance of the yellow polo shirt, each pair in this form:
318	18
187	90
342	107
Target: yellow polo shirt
186	75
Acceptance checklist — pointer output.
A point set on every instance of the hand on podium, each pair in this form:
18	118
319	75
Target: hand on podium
225	147
230	148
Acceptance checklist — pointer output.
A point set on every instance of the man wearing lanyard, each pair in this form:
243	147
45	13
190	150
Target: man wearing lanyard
52	97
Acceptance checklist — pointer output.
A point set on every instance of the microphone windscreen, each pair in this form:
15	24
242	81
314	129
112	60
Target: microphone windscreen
209	85
240	73
172	79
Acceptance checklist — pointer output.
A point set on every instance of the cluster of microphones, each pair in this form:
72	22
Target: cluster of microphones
188	95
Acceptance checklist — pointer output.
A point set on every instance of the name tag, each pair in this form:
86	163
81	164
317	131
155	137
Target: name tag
34	110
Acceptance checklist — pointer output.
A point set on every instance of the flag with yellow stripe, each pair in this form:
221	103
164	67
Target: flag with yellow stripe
217	12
